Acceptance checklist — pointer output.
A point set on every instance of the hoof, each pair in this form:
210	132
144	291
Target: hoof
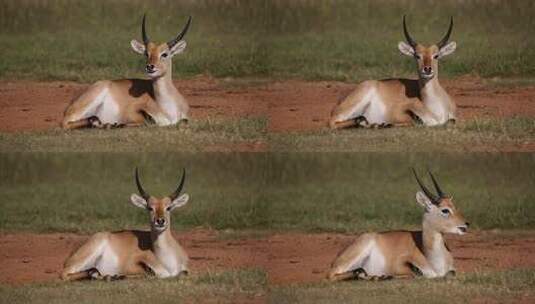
360	274
94	122
94	274
361	121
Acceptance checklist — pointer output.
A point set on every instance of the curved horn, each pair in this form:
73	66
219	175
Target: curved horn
407	35
175	194
446	37
428	193
172	42
142	192
144	32
437	187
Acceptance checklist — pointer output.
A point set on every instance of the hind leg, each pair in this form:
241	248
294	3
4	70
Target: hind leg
352	258
89	122
81	264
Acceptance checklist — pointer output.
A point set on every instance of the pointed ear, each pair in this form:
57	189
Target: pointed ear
180	201
138	47
423	200
178	48
405	49
138	201
447	49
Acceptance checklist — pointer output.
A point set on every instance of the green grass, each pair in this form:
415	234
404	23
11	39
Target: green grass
340	192
477	134
200	135
210	287
244	134
494	287
354	192
312	39
90	40
89	192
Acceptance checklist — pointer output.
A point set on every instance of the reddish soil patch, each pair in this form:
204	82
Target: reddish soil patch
290	105
287	258
39	257
29	106
302	106
306	258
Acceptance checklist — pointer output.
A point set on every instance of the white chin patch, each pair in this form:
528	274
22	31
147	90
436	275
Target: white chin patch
154	74
428	76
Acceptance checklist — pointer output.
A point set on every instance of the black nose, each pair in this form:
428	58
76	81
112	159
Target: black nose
150	67
428	70
160	221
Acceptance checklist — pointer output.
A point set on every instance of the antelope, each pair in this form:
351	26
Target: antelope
391	254
134	102
402	102
134	253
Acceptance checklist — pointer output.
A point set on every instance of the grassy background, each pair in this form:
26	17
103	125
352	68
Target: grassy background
311	39
344	192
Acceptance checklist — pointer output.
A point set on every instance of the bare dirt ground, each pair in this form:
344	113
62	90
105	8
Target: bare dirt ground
31	106
304	106
290	105
287	257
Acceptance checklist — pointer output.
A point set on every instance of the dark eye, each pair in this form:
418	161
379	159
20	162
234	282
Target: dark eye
445	211
168	208
164	55
150	208
435	56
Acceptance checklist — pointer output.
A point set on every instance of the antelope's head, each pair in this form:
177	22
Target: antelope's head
427	57
159	55
159	208
440	212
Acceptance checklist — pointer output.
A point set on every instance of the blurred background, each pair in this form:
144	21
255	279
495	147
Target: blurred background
343	192
306	39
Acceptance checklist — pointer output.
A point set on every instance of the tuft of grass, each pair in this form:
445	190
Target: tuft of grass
342	192
242	285
510	128
494	287
477	134
199	135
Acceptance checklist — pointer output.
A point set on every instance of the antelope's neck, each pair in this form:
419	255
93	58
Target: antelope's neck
161	240
168	97
436	99
435	250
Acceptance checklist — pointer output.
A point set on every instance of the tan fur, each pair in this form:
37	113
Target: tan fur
401	98
135	99
137	251
401	249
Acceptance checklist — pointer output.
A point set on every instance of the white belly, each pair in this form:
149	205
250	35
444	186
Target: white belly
376	111
108	262
108	110
375	263
370	106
